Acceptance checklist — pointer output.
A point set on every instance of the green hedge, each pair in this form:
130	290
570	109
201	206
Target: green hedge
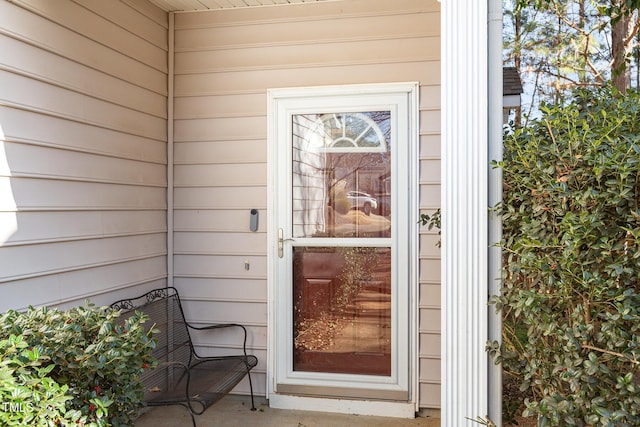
571	295
28	397
87	363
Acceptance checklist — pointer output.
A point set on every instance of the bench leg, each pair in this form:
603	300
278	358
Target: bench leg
193	419
186	406
253	406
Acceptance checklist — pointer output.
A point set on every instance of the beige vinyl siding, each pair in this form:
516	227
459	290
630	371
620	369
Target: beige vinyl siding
225	61
429	273
83	119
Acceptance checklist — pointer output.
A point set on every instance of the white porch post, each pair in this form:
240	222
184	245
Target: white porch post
464	211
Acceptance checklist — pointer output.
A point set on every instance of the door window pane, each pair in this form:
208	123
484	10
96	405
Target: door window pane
342	310
342	175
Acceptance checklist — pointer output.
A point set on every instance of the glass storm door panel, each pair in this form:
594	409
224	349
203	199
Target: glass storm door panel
342	210
342	310
341	177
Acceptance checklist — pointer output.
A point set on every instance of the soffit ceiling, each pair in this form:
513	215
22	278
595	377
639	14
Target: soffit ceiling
185	5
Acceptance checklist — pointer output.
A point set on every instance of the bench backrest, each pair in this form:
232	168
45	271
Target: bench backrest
165	312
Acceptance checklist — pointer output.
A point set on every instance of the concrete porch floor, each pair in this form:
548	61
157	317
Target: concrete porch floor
234	411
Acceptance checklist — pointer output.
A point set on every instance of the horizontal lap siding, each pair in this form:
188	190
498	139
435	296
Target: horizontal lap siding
225	61
83	100
429	270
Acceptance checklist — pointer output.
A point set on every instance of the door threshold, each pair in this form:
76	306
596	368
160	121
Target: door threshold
376	408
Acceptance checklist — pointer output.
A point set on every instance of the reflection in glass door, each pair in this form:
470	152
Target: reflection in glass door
342	310
341	177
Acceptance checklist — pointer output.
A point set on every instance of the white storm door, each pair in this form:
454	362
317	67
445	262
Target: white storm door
342	249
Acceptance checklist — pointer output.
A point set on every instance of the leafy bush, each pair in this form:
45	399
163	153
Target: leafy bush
571	294
89	353
27	395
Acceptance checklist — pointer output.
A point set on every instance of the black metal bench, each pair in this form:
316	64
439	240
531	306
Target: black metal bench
182	377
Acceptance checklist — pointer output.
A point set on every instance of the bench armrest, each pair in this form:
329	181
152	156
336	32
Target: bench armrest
224	325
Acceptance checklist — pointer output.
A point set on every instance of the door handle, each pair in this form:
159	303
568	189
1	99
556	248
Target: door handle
281	241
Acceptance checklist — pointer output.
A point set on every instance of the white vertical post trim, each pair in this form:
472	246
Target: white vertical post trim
464	211
494	198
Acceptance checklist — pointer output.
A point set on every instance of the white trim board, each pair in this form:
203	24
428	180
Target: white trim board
374	408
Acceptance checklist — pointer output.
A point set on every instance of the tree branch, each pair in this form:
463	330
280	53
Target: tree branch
633	360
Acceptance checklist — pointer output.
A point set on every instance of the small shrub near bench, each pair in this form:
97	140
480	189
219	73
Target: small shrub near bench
74	367
27	395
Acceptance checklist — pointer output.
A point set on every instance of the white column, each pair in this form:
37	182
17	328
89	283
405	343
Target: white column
464	211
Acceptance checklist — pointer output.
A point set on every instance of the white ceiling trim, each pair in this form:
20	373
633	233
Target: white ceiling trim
191	5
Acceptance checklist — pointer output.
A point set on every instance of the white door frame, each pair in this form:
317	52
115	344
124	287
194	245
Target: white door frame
282	104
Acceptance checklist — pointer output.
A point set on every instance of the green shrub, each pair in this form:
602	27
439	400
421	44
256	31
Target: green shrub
571	218
89	353
27	395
